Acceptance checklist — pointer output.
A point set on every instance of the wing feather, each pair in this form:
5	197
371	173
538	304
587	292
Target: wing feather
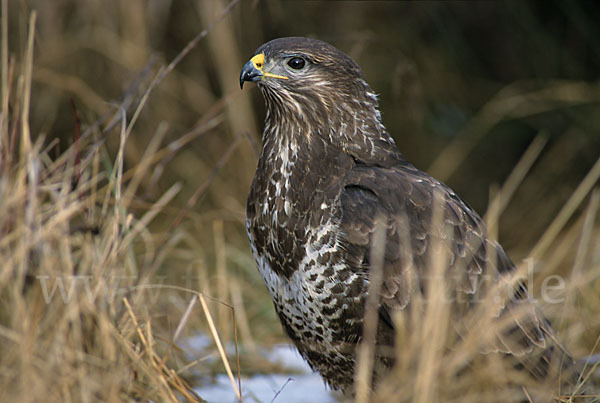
406	197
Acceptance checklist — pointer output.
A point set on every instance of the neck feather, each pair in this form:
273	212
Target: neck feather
349	124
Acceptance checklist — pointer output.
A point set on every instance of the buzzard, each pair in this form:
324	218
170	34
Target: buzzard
329	179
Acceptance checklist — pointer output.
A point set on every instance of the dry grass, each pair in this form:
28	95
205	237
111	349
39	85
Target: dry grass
78	299
114	215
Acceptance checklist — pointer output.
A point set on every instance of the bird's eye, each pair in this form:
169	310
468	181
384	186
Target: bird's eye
296	63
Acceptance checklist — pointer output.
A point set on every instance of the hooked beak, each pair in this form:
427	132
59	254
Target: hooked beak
250	73
253	70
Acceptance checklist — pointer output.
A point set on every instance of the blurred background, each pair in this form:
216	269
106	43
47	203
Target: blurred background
465	87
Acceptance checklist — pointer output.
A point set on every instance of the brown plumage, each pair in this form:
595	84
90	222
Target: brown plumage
327	172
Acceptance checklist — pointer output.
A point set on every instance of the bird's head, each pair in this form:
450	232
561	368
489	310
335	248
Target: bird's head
296	62
305	73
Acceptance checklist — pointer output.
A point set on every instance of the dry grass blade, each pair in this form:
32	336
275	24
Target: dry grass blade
152	213
242	322
366	350
184	319
499	203
435	316
567	211
27	74
5	84
587	231
141	169
217	340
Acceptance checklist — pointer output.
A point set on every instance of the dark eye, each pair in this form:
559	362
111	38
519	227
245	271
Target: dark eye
296	63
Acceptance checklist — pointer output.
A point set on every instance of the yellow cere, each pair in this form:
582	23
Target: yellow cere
259	61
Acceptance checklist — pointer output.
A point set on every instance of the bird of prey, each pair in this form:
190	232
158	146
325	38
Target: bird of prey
329	175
